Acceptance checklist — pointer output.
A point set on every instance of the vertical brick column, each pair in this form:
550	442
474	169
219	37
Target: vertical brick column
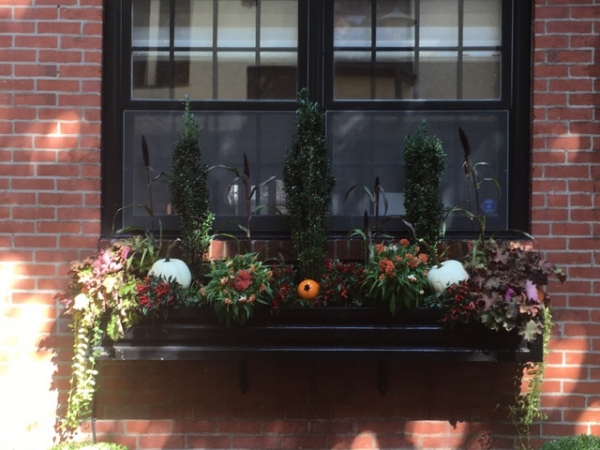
50	99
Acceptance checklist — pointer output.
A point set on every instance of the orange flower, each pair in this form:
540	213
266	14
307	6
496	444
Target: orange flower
380	248
404	242
423	257
412	262
386	267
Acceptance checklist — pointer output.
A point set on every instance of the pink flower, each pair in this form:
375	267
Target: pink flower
531	290
508	294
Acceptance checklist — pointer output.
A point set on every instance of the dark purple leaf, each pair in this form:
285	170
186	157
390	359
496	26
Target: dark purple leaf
145	153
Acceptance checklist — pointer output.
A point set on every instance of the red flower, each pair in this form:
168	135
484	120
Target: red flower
242	280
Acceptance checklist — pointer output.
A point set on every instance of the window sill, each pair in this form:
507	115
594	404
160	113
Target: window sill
328	332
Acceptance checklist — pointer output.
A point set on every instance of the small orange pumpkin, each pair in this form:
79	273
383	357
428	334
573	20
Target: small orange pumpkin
308	289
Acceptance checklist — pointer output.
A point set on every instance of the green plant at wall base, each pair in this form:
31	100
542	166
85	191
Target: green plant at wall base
578	442
190	193
89	446
424	162
308	184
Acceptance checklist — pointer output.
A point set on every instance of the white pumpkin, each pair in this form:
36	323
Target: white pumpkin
449	272
172	268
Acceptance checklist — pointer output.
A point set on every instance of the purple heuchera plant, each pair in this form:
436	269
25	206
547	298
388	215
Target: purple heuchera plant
511	278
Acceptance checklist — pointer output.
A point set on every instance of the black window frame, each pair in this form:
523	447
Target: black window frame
315	69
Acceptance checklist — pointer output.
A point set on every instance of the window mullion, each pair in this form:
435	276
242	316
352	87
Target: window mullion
459	63
373	71
171	81
215	43
417	48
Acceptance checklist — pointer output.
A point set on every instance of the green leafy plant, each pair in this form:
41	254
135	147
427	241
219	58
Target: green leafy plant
190	193
249	192
424	162
397	273
578	442
527	406
102	299
236	284
308	185
89	446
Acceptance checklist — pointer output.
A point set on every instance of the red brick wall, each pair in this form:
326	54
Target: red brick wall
50	84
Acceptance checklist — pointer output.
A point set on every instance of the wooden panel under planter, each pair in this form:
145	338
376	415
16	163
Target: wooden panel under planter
330	332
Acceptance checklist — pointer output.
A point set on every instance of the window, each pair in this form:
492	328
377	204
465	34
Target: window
376	67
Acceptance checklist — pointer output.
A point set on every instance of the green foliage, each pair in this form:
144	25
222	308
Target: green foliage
527	407
308	184
190	193
102	298
89	446
397	273
236	284
579	442
423	165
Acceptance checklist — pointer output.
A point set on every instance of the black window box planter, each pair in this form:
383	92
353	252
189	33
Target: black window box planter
330	332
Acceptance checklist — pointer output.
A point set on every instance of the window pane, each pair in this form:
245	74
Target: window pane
395	23
352	23
438	73
223	63
439	23
195	78
236	24
194	23
481	75
242	77
482	23
150	23
447	69
151	75
279	23
275	78
226	136
395	78
365	145
353	75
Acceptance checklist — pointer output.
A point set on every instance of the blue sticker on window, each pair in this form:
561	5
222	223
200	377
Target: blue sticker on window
488	206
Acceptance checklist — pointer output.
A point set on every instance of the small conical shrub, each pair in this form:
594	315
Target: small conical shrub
308	184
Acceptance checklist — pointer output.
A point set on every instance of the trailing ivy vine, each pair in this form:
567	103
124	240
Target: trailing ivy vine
308	184
527	407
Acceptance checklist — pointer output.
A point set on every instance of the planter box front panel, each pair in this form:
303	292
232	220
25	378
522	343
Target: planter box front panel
369	333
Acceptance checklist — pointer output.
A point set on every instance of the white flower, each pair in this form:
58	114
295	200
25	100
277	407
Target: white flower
81	302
